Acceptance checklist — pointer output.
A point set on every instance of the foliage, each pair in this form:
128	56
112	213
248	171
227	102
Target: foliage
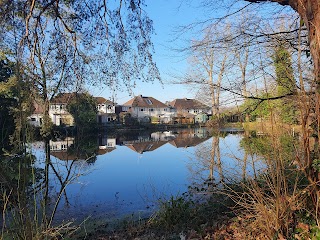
7	103
284	70
264	146
174	211
286	84
193	211
63	44
127	119
85	147
19	181
83	109
257	108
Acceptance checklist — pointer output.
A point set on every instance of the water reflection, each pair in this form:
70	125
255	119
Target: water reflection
69	149
222	161
121	172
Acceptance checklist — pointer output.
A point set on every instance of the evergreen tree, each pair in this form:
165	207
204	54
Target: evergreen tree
286	84
83	109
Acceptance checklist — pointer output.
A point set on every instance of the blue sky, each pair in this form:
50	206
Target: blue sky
167	16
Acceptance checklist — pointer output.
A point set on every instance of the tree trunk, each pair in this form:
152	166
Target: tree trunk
309	11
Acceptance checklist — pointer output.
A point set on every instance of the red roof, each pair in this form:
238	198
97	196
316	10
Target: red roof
38	107
149	102
186	103
102	100
63	98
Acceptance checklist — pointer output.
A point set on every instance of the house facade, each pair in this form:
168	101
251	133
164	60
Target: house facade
201	118
187	105
36	118
143	108
140	108
58	109
106	110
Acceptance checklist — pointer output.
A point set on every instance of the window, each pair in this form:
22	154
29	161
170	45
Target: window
148	101
165	109
63	147
141	109
33	119
151	109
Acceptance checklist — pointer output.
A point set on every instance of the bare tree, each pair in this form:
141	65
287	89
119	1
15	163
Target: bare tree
207	68
62	43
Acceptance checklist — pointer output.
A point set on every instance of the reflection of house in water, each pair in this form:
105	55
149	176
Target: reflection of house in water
142	147
61	145
180	138
106	145
59	149
162	136
190	138
148	143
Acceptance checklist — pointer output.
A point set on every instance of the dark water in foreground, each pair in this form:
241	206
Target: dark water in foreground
126	173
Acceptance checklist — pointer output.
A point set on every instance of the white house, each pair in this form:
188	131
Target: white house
58	109
106	110
141	107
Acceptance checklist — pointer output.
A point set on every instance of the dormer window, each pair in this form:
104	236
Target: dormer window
148	101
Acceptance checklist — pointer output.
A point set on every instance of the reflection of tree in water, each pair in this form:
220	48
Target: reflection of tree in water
18	177
263	147
85	148
207	161
212	168
29	201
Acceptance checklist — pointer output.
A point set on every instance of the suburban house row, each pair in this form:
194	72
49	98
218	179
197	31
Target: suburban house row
140	108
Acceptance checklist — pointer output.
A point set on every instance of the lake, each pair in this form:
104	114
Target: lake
125	172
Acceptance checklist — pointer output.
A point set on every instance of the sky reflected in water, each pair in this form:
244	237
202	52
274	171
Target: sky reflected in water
130	174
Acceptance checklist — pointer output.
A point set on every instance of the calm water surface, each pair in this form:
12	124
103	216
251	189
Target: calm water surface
129	172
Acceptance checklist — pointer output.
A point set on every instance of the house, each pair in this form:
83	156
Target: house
58	109
147	109
201	118
186	105
106	110
36	118
187	109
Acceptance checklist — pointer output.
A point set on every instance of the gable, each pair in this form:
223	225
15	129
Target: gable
145	102
187	103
